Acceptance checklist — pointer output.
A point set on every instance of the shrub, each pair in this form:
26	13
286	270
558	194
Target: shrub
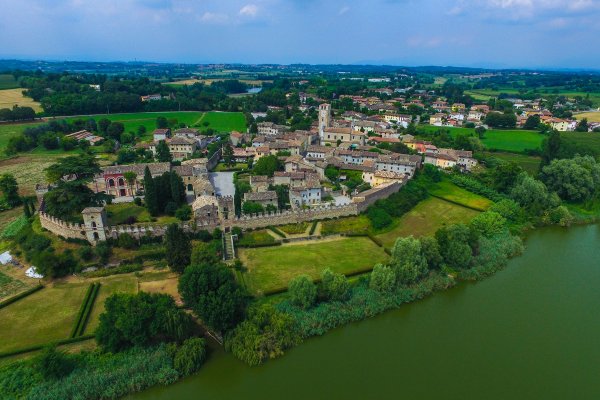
103	251
383	279
53	364
190	356
334	287
127	241
86	253
184	213
302	291
473	185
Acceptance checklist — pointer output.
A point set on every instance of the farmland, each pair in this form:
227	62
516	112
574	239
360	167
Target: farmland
11	97
272	268
591	116
531	164
486	94
448	191
585	140
426	218
496	139
8	81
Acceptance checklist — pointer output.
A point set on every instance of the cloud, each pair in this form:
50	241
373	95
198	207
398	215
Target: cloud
214	18
249	10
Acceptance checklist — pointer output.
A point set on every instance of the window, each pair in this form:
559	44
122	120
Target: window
93	224
121	182
111	183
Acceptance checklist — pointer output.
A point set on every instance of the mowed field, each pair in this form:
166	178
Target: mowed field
496	139
426	218
272	268
591	116
11	97
452	193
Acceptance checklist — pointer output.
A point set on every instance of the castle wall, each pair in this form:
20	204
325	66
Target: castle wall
62	228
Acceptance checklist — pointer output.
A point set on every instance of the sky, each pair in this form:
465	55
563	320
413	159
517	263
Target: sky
471	33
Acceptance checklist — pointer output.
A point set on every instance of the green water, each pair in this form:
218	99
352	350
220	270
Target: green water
532	331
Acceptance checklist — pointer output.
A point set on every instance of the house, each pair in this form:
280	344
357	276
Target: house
342	135
112	180
307	194
405	164
463	158
356	157
161	134
379	178
318	152
440	160
179	147
242	155
260	183
269	128
236	138
186	132
151	97
437	119
440	106
265	199
458	108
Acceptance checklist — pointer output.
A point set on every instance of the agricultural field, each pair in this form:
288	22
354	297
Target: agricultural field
531	164
486	94
272	268
8	81
452	193
496	139
8	217
591	116
28	170
10	97
425	219
222	121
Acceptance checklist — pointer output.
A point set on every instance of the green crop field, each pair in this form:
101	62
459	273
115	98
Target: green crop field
586	140
271	268
449	191
496	139
486	94
222	121
426	218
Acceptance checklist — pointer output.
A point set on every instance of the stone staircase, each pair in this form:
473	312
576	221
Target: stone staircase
228	250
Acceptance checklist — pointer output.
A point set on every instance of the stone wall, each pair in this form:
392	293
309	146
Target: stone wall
290	217
62	228
366	198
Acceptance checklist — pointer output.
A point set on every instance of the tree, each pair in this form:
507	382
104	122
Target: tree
54	364
10	190
55	265
163	154
177	189
532	122
228	154
455	248
507	208
211	291
190	356
430	249
251	207
265	334
551	147
501	120
205	253
302	291
334	287
504	176
141	319
266	165
162	123
532	194
115	129
407	260
383	279
130	177
488	224
178	248
576	179
103	125
150	194
582	126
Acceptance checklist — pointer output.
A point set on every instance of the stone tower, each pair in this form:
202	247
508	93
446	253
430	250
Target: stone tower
324	119
94	222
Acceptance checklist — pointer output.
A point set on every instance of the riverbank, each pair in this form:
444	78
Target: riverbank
528	332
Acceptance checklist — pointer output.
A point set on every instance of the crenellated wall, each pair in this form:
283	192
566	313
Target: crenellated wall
62	228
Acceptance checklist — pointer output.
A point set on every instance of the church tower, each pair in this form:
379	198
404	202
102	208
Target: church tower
324	119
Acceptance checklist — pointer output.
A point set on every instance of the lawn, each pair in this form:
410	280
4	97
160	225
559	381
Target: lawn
45	316
119	213
222	121
496	139
11	97
426	218
531	164
295	229
449	191
360	223
110	285
259	237
272	268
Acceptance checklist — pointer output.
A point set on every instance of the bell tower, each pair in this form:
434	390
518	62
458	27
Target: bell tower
324	119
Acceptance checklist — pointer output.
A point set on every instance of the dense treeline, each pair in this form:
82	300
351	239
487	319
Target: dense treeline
17	114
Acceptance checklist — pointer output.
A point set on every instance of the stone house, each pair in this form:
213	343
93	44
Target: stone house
265	199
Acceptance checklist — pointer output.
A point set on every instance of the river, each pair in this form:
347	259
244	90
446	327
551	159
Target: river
532	331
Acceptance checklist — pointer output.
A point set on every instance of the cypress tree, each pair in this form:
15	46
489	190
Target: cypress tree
26	209
177	189
178	248
150	193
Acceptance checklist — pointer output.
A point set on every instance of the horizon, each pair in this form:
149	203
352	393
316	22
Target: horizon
485	34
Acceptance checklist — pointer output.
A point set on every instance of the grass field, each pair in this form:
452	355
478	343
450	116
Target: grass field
449	191
295	229
110	285
426	218
360	223
28	170
591	116
8	81
486	94
271	268
10	97
222	121
8	216
587	140
42	317
118	214
497	139
531	164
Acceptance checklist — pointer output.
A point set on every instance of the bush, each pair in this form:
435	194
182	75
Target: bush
383	279
137	201
53	364
86	253
184	213
302	291
334	287
190	356
473	185
103	251
127	241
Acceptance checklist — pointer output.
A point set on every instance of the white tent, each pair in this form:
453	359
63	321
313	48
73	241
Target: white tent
5	258
32	273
